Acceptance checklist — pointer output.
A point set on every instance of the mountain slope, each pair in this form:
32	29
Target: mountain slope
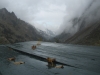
88	36
14	30
88	26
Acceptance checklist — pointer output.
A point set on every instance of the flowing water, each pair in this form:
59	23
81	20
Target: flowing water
76	59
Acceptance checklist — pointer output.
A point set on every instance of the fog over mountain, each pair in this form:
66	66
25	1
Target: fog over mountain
54	15
70	23
90	15
84	29
87	17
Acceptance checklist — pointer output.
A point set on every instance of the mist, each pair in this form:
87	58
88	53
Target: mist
75	12
55	15
81	18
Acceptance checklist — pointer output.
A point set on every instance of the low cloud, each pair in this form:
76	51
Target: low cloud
51	14
74	10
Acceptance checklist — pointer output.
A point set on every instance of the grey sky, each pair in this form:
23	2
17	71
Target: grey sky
45	13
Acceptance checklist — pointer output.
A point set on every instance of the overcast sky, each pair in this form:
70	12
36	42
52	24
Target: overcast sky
45	13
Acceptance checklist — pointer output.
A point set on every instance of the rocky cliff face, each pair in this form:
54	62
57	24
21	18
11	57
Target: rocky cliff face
14	30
